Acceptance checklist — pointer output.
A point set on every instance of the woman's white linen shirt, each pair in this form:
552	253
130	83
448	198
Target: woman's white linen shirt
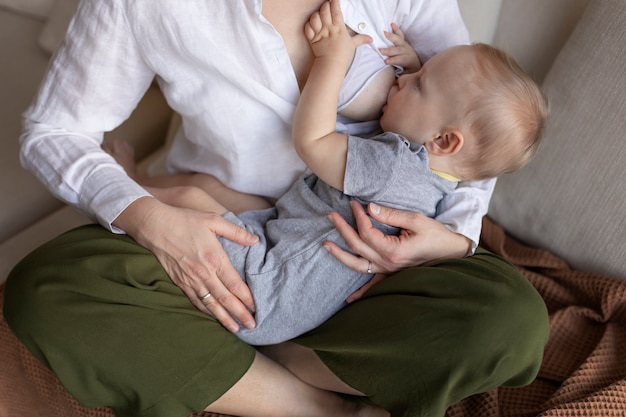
223	67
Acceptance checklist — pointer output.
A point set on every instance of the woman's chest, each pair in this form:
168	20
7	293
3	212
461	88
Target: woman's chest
288	18
224	46
230	53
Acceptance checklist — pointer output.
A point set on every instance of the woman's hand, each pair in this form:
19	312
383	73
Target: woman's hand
185	243
421	239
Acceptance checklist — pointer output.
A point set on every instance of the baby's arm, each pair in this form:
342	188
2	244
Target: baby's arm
315	140
402	53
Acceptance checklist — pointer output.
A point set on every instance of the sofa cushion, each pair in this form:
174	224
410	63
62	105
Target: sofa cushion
23	198
534	31
36	8
54	30
570	198
481	18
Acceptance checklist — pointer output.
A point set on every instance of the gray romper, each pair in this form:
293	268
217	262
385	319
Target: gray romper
296	283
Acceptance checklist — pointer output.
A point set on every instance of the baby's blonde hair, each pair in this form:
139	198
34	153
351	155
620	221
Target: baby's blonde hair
505	115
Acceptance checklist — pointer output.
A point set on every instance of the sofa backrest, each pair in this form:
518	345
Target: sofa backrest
481	18
571	199
534	31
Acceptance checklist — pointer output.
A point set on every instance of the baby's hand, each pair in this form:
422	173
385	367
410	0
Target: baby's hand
327	33
401	54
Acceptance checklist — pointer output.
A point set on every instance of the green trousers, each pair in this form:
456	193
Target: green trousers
99	310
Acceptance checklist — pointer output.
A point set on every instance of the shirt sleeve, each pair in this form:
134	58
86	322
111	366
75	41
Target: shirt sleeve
462	210
93	84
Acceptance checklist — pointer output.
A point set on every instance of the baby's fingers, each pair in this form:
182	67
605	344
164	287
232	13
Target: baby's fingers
393	51
396	32
314	25
396	36
335	12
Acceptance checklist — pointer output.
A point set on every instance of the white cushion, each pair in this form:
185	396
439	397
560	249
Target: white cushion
571	199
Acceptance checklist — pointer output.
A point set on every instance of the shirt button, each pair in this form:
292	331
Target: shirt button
362	26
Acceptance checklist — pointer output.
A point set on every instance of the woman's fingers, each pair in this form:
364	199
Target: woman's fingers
350	235
421	239
218	307
366	241
215	288
356	263
227	274
186	244
230	296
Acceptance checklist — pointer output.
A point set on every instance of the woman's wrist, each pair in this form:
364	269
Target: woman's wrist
134	219
466	245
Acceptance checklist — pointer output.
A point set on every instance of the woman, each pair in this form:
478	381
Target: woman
414	344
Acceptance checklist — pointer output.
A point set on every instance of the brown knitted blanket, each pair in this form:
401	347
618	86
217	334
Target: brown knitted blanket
583	374
584	367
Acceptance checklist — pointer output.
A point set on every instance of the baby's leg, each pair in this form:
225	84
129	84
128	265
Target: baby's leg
123	153
234	201
187	197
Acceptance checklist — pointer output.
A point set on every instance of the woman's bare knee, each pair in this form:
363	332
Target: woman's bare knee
306	365
268	389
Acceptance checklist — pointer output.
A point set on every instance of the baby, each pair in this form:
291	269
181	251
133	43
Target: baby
469	113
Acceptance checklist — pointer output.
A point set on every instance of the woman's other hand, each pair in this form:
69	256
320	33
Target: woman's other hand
422	239
185	243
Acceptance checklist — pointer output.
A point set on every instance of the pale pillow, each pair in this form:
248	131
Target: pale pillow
571	199
37	8
481	18
534	31
54	30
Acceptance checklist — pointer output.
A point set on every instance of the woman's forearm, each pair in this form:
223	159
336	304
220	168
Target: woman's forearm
77	171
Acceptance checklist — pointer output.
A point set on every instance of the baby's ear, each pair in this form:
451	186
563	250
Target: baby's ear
447	142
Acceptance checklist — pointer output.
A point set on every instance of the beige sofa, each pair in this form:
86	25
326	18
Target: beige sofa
569	201
30	30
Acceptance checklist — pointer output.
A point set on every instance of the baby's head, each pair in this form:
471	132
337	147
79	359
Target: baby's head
504	115
478	114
